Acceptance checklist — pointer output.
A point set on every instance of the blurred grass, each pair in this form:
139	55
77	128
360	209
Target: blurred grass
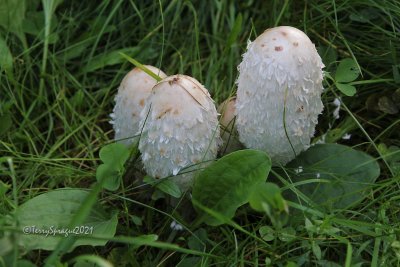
57	95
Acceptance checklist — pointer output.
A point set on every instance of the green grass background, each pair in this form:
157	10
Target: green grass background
57	91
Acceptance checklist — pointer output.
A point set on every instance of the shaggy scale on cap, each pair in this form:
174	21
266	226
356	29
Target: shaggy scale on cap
180	129
129	102
279	86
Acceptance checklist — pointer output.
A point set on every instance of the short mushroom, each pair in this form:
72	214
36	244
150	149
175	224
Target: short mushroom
180	129
230	137
129	102
279	93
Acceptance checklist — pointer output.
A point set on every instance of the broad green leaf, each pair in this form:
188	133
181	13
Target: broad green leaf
346	175
110	177
110	58
169	187
53	210
267	193
346	89
227	183
12	13
267	198
6	58
165	185
347	71
115	154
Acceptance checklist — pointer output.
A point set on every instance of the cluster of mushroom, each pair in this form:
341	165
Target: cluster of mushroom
175	120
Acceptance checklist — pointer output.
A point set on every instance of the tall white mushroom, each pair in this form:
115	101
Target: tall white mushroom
180	129
279	93
129	102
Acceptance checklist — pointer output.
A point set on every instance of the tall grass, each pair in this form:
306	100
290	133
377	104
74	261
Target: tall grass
61	91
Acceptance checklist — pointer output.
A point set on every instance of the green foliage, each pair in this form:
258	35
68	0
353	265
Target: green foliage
392	155
328	55
228	183
110	172
3	188
34	24
266	197
110	58
346	89
44	221
60	70
346	72
341	176
12	13
5	122
165	185
236	29
139	65
5	116
91	260
6	58
267	233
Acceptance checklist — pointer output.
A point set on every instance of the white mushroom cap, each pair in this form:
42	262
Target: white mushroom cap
227	110
129	102
227	120
180	129
280	74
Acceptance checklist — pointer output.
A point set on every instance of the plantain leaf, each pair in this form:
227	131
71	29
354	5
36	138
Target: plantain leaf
44	220
341	176
228	183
